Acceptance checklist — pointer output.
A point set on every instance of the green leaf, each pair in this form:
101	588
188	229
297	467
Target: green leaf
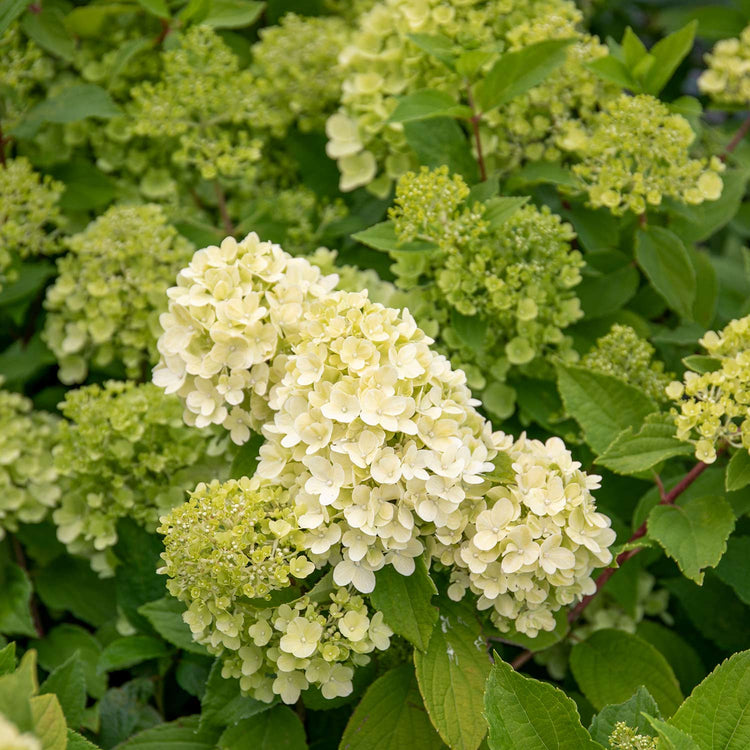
15	614
10	10
612	70
391	715
451	676
630	712
707	287
48	30
666	263
131	650
717	713
441	140
701	363
634	452
20	363
49	722
182	734
68	583
733	566
500	208
426	104
517	72
67	640
671	738
606	293
86	187
165	615
8	659
124	711
32	277
669	53
436	45
524	713
693	534
405	602
16	689
79	742
382	236
88	21
233	14
78	102
245	461
540	172
277	729
603	405
68	683
471	329
223	704
738	470
158	8
126	53
610	665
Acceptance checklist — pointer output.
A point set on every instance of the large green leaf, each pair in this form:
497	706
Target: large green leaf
49	722
442	140
603	405
666	263
693	534
524	713
68	683
277	729
165	616
717	713
383	236
669	53
633	452
426	104
391	716
611	665
630	712
233	14
671	738
9	11
405	602
15	613
131	650
738	471
733	568
182	734
223	704
48	30
451	676
517	72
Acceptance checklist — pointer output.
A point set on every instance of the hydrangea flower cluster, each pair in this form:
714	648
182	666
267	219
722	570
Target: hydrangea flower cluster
372	434
105	303
520	274
12	739
205	102
623	354
28	479
635	153
383	64
296	62
532	546
232	545
124	452
27	212
727	78
714	407
624	737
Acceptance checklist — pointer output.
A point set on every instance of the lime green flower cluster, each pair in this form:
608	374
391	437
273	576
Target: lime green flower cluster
28	479
727	79
106	301
205	103
713	406
226	550
519	274
624	737
24	71
296	63
28	211
384	63
124	453
623	354
636	153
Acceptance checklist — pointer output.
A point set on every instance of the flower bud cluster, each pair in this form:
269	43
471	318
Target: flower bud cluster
28	212
636	153
384	63
228	551
105	303
714	407
124	452
727	79
532	544
28	479
624	737
205	103
373	435
519	274
623	354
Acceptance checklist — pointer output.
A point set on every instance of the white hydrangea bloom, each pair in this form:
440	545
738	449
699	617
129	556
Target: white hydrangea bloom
375	438
12	739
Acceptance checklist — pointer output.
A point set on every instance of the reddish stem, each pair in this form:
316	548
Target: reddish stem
224	213
738	136
475	119
33	609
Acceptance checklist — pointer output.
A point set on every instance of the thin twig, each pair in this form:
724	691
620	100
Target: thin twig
738	136
224	213
33	609
3	141
475	120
